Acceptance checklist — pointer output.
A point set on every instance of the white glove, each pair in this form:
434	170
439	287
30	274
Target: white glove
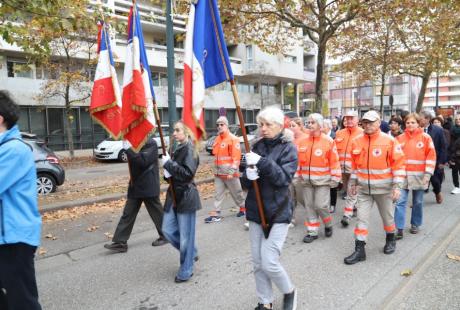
252	158
164	159
126	144
252	174
166	173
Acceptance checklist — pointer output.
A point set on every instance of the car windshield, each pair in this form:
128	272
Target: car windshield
236	130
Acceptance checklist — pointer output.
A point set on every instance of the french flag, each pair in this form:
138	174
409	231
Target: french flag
206	61
138	95
105	107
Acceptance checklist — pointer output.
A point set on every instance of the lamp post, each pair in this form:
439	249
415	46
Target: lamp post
171	68
437	87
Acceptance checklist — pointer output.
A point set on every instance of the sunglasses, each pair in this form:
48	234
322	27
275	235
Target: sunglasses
221	125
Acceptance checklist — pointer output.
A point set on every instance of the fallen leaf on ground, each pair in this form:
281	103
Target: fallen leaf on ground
92	228
41	251
406	272
454	257
108	235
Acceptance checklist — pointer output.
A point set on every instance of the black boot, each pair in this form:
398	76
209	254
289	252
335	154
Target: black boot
358	255
390	244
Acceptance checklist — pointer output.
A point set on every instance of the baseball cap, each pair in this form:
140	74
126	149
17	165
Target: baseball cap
351	113
371	116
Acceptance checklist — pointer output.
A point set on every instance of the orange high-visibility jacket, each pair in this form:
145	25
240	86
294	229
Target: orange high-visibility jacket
227	155
318	161
377	162
343	140
296	142
420	157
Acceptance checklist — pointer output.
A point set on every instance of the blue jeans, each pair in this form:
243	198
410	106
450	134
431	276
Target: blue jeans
179	230
417	208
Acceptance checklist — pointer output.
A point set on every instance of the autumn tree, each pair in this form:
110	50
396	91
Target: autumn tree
276	25
60	36
369	46
429	33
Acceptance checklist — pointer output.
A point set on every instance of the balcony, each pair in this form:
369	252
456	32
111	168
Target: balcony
309	74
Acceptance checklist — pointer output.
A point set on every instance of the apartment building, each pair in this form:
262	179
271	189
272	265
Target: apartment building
261	79
448	94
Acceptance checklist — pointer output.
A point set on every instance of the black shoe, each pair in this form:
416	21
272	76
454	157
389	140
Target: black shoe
399	234
177	280
358	255
414	229
117	247
390	244
309	238
262	307
159	241
290	301
196	258
344	195
355	212
328	231
345	221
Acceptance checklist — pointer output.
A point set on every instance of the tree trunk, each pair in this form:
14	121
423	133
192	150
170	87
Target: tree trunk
421	94
319	78
382	94
68	123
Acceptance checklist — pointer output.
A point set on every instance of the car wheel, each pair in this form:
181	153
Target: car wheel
123	156
45	184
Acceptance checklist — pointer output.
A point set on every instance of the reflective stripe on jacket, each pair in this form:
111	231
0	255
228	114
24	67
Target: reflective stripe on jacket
420	157
318	161
227	155
297	142
343	140
378	163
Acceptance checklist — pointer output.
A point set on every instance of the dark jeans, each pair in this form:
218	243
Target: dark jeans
126	223
334	196
17	277
455	172
436	180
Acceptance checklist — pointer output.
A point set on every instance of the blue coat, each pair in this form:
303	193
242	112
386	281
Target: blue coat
440	144
276	170
20	220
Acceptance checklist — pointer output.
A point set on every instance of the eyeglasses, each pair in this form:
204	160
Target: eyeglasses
310	122
220	125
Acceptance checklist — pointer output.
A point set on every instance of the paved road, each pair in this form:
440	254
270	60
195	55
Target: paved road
111	168
79	273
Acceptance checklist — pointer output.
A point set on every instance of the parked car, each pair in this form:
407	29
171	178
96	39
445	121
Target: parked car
251	131
111	149
50	173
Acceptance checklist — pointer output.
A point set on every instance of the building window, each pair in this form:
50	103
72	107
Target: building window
156	78
19	68
290	59
249	56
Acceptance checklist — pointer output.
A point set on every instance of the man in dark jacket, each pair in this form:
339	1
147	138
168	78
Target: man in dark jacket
144	186
440	144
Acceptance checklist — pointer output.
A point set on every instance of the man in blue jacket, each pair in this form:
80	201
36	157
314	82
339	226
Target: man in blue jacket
20	221
440	144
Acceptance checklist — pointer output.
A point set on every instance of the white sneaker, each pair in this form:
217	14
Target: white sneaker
455	191
246	226
291	225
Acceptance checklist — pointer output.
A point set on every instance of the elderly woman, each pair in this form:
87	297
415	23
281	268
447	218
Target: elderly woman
320	171
272	163
420	162
180	213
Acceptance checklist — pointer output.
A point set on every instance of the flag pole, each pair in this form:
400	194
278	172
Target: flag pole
236	99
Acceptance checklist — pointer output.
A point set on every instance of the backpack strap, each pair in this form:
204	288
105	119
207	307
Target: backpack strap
6	141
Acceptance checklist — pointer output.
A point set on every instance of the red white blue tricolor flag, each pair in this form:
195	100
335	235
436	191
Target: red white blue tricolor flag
206	61
137	111
105	107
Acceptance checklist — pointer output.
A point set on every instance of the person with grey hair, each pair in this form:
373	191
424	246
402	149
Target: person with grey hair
440	145
327	128
320	171
272	163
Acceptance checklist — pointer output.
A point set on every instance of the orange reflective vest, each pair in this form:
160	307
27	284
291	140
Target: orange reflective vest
318	161
343	140
420	157
227	155
377	163
296	142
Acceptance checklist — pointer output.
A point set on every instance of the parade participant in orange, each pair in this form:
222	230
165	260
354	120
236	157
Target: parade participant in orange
319	170
420	164
377	175
343	140
227	156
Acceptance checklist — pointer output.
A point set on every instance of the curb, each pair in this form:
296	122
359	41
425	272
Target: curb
102	198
